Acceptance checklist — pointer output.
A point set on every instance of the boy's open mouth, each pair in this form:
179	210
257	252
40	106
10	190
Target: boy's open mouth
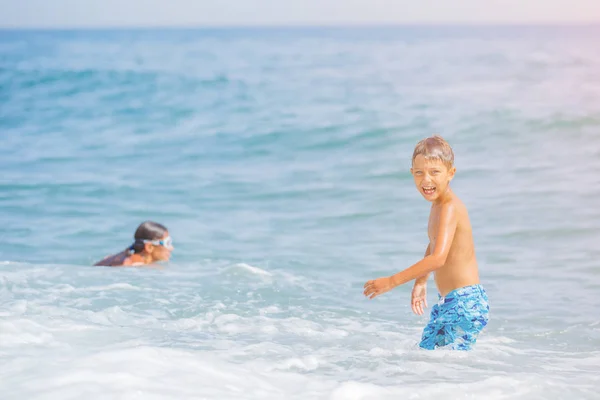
429	190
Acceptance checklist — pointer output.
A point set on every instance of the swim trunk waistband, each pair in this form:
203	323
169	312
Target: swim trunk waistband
465	291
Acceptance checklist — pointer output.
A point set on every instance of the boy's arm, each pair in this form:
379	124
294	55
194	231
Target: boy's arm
445	234
418	297
422	280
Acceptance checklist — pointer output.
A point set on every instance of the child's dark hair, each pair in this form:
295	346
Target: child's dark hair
147	231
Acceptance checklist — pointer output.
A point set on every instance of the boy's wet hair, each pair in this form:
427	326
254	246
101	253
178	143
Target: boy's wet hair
435	148
147	231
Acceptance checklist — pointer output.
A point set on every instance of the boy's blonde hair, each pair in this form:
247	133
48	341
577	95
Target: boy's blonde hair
435	148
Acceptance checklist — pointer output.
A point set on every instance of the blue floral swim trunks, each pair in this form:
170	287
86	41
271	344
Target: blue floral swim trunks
457	319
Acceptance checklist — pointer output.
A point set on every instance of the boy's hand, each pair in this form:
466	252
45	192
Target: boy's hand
419	298
378	286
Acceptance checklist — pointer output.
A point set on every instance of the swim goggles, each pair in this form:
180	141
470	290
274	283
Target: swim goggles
166	242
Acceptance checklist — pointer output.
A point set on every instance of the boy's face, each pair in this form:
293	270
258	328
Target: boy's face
431	177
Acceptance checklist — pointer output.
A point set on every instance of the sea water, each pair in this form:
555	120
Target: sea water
279	160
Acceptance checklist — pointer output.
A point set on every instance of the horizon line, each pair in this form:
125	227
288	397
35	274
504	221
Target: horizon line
303	25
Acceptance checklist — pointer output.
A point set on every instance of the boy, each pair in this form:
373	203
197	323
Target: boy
462	309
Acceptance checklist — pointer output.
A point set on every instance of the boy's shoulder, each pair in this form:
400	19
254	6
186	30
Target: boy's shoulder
452	201
459	209
456	201
452	205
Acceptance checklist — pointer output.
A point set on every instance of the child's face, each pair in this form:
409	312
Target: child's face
431	177
160	252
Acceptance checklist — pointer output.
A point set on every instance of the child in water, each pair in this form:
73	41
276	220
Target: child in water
152	244
462	310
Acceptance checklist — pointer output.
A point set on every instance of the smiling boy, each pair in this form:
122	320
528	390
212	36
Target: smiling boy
462	310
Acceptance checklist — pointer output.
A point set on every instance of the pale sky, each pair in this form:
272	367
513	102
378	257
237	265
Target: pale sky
132	13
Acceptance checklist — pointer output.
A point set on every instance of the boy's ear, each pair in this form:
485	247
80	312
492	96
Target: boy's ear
411	171
451	172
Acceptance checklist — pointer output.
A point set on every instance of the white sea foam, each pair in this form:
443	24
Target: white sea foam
170	343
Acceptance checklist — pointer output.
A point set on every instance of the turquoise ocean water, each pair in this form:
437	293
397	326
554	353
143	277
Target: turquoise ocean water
278	159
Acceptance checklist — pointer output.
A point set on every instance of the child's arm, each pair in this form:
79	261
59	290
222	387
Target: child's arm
422	280
446	229
418	297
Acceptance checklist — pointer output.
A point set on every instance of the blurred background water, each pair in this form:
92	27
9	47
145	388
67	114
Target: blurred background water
279	160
